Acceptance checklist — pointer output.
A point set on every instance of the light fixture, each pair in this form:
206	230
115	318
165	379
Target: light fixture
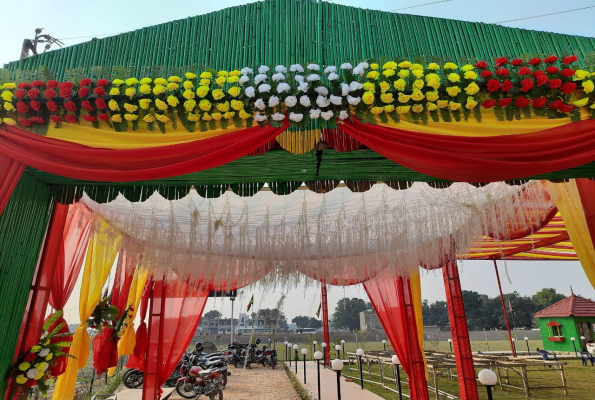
396	363
295	349
383	345
488	378
527	341
318	356
360	353
304	352
337	365
450	344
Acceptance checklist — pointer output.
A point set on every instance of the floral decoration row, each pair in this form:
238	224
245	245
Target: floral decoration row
369	91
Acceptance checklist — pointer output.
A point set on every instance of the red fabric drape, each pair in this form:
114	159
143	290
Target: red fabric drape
39	293
325	325
586	189
10	173
482	159
105	165
392	300
105	345
137	359
72	253
460	332
176	308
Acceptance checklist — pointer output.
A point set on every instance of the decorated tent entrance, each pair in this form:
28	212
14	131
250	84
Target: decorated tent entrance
275	167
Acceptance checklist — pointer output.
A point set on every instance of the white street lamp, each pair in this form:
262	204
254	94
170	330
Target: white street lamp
360	353
488	378
318	356
337	366
304	351
396	363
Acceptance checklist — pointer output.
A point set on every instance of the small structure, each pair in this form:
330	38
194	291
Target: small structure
572	317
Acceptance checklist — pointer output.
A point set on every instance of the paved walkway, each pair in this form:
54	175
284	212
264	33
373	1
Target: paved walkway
328	384
257	383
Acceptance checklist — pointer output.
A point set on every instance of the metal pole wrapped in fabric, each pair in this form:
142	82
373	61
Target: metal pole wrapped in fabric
325	326
22	229
460	332
10	173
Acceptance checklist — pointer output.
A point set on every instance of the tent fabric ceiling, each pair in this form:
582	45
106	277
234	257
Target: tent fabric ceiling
339	234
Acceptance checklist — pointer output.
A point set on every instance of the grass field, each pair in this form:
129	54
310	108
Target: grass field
580	380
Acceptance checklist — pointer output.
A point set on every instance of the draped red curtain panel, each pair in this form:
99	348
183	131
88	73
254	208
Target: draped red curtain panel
176	309
481	159
456	158
391	298
105	345
139	355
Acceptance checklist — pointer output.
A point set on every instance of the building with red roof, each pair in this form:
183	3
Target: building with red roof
568	324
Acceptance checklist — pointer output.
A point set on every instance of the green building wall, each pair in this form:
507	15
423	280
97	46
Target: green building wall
569	329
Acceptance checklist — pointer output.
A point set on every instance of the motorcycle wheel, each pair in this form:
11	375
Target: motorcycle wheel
173	379
181	389
273	364
235	362
216	396
132	378
224	379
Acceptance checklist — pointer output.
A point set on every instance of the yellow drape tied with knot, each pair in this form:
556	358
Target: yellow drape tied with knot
101	254
415	284
566	197
128	340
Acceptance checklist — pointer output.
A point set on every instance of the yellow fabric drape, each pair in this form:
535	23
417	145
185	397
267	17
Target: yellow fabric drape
415	284
568	201
128	340
489	125
108	138
103	248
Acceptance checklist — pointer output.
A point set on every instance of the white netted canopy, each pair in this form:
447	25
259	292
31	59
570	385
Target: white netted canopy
340	237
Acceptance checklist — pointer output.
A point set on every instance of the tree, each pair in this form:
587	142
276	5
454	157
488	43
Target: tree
306	322
346	315
274	317
212	314
546	297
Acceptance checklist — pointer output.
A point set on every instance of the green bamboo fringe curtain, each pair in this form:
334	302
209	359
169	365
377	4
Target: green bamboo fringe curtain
22	230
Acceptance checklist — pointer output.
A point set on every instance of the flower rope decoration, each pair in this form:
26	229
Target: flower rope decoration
32	369
514	89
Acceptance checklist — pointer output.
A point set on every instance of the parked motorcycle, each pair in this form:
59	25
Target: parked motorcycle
270	357
133	378
196	382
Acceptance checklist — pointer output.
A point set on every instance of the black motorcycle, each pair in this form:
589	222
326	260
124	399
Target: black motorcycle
269	357
133	378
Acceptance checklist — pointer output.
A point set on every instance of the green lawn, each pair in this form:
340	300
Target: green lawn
579	379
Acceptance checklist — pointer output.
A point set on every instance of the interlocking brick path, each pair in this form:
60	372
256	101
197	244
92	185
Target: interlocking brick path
257	383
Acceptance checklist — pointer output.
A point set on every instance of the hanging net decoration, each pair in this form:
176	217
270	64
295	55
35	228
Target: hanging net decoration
339	237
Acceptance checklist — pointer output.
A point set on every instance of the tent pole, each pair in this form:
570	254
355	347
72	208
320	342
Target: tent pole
460	332
504	310
325	326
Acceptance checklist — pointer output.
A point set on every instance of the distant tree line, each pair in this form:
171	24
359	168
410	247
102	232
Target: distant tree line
485	312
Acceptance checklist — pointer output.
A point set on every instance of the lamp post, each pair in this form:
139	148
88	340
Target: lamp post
584	343
289	345
343	348
450	344
527	341
514	345
295	349
318	356
338	348
574	345
304	352
383	345
396	364
285	343
337	366
314	343
232	298
324	352
359	353
488	378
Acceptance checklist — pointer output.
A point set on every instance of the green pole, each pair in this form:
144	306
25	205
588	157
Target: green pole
319	34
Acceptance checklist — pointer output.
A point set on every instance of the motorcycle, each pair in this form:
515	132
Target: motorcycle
270	357
133	378
196	382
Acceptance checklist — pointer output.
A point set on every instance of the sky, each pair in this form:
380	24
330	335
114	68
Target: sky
76	21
